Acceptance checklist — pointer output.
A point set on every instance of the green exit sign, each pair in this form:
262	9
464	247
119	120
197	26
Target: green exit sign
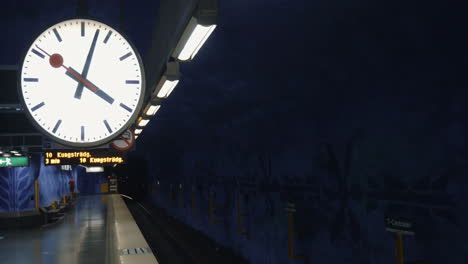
14	161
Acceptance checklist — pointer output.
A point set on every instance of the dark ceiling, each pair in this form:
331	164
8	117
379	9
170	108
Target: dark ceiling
23	20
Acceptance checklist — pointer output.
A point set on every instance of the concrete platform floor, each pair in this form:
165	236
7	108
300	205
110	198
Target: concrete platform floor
97	230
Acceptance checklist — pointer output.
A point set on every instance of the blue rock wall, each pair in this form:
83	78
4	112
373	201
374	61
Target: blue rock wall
16	189
89	183
53	184
341	186
347	110
84	185
17	185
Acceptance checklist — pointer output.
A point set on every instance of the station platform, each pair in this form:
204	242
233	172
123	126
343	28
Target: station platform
99	229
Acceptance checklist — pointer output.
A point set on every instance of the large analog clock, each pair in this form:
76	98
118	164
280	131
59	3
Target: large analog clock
82	83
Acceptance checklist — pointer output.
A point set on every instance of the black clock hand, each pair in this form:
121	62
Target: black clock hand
86	83
84	74
56	61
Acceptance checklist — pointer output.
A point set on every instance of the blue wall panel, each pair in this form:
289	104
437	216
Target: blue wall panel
81	183
25	189
340	203
90	183
353	112
85	184
53	184
17	185
17	188
343	177
74	176
4	190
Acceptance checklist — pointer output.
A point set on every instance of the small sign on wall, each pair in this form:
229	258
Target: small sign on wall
399	225
66	167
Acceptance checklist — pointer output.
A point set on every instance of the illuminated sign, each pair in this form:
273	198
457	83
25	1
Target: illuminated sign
14	161
91	157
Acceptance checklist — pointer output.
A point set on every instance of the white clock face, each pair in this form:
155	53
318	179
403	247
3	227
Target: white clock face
82	83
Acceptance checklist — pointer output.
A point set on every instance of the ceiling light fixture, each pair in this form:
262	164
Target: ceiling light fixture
151	109
167	87
198	30
94	169
143	122
193	39
168	81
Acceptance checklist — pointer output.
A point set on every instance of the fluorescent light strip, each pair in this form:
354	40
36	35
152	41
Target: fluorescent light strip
94	169
143	122
138	131
167	88
152	110
196	40
207	35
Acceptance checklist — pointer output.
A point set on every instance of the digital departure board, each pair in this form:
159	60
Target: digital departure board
89	157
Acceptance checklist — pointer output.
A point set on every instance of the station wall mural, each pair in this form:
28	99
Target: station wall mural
17	185
333	192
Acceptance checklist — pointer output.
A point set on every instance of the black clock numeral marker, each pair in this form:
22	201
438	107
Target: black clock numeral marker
37	106
126	107
82	29
132	81
125	56
31	79
57	126
107	36
57	35
107	126
82	128
38	53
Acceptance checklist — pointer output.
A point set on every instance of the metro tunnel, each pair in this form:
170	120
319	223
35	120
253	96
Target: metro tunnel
247	131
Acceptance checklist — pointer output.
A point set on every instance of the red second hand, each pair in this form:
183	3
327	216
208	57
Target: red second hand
86	83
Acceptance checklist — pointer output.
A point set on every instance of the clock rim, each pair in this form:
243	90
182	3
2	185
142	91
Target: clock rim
101	142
